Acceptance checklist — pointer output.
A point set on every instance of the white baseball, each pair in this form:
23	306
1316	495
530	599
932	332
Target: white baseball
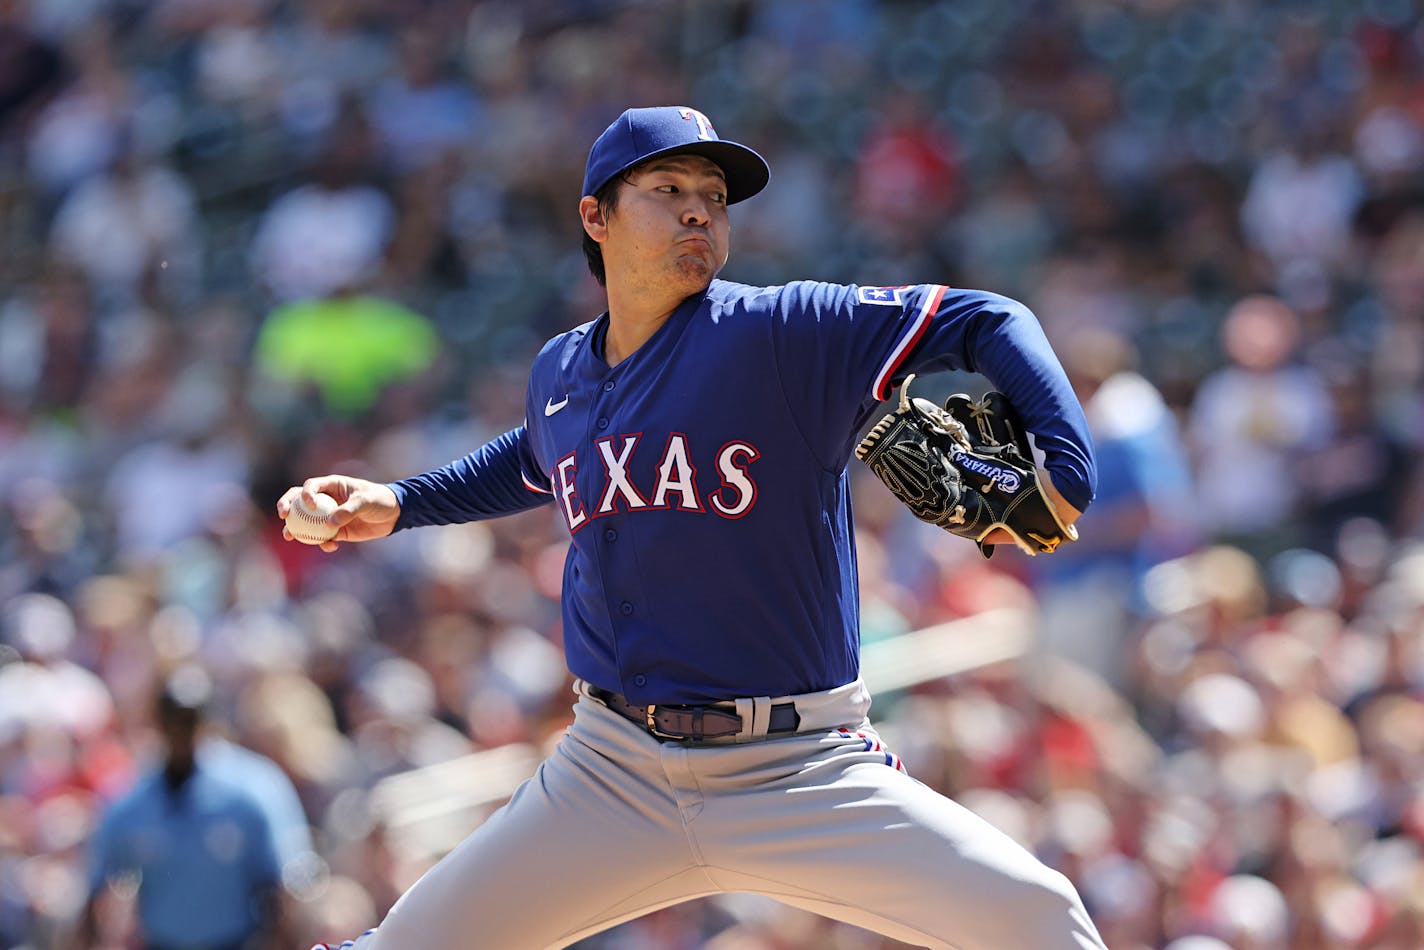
309	525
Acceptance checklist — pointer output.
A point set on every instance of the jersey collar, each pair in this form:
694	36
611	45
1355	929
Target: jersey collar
662	338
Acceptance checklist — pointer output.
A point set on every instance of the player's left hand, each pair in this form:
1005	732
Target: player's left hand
1066	512
968	467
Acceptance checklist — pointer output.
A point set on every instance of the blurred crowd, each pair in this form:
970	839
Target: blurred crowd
243	242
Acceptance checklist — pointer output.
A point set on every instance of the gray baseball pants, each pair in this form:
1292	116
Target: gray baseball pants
616	824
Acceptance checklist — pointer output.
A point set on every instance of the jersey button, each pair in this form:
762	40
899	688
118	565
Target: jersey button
608	386
610	535
603	422
640	680
626	609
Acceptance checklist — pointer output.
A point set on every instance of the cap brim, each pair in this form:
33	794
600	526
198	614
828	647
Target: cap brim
746	172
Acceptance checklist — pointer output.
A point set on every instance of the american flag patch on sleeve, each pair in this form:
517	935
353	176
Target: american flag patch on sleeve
885	296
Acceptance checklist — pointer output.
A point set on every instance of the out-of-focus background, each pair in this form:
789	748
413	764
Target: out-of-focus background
247	241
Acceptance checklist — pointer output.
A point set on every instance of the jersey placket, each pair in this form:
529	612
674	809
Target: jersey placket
611	539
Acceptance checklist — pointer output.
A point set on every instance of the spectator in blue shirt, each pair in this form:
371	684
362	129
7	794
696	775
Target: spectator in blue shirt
200	849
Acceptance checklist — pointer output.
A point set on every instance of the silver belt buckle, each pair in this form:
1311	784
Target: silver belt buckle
653	724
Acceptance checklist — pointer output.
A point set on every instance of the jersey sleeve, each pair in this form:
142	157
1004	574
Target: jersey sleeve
499	478
837	348
849	346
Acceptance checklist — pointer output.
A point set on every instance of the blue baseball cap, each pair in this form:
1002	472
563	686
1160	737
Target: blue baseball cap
640	134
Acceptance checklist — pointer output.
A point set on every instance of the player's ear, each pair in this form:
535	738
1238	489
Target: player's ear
595	223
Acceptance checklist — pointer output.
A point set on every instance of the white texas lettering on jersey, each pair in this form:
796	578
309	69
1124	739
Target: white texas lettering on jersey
676	485
677	474
567	467
617	469
734	480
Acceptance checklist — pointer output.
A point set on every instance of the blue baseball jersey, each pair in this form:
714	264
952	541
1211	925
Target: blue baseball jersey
704	478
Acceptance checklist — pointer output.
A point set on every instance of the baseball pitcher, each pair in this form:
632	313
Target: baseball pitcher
695	439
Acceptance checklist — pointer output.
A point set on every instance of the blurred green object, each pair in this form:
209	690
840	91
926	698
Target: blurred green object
351	347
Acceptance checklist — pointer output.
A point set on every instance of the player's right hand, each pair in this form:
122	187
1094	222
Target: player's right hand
365	510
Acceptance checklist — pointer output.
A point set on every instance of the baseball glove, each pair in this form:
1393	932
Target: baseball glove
967	467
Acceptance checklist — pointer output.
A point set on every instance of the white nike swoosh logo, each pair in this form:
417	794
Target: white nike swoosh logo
552	407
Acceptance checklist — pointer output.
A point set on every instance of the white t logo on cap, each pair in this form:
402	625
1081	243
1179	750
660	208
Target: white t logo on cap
704	124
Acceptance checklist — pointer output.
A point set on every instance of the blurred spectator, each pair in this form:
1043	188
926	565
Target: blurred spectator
199	848
44	548
348	346
906	176
1362	470
1004	231
1250	913
275	794
1148	513
80	131
326	57
194	466
391	719
420	114
234	59
1144	512
1397	361
48	340
43	687
1301	201
154	208
30	68
329	235
1252	422
287	718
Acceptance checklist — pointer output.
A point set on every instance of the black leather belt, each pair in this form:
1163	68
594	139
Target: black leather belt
694	723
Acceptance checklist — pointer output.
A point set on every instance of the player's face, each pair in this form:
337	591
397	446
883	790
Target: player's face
670	226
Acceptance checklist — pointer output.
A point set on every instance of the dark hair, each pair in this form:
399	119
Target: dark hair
607	198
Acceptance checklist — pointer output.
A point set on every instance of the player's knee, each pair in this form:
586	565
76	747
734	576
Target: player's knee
1031	907
1052	913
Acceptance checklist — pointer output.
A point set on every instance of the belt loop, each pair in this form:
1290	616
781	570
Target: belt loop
761	710
746	711
756	717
